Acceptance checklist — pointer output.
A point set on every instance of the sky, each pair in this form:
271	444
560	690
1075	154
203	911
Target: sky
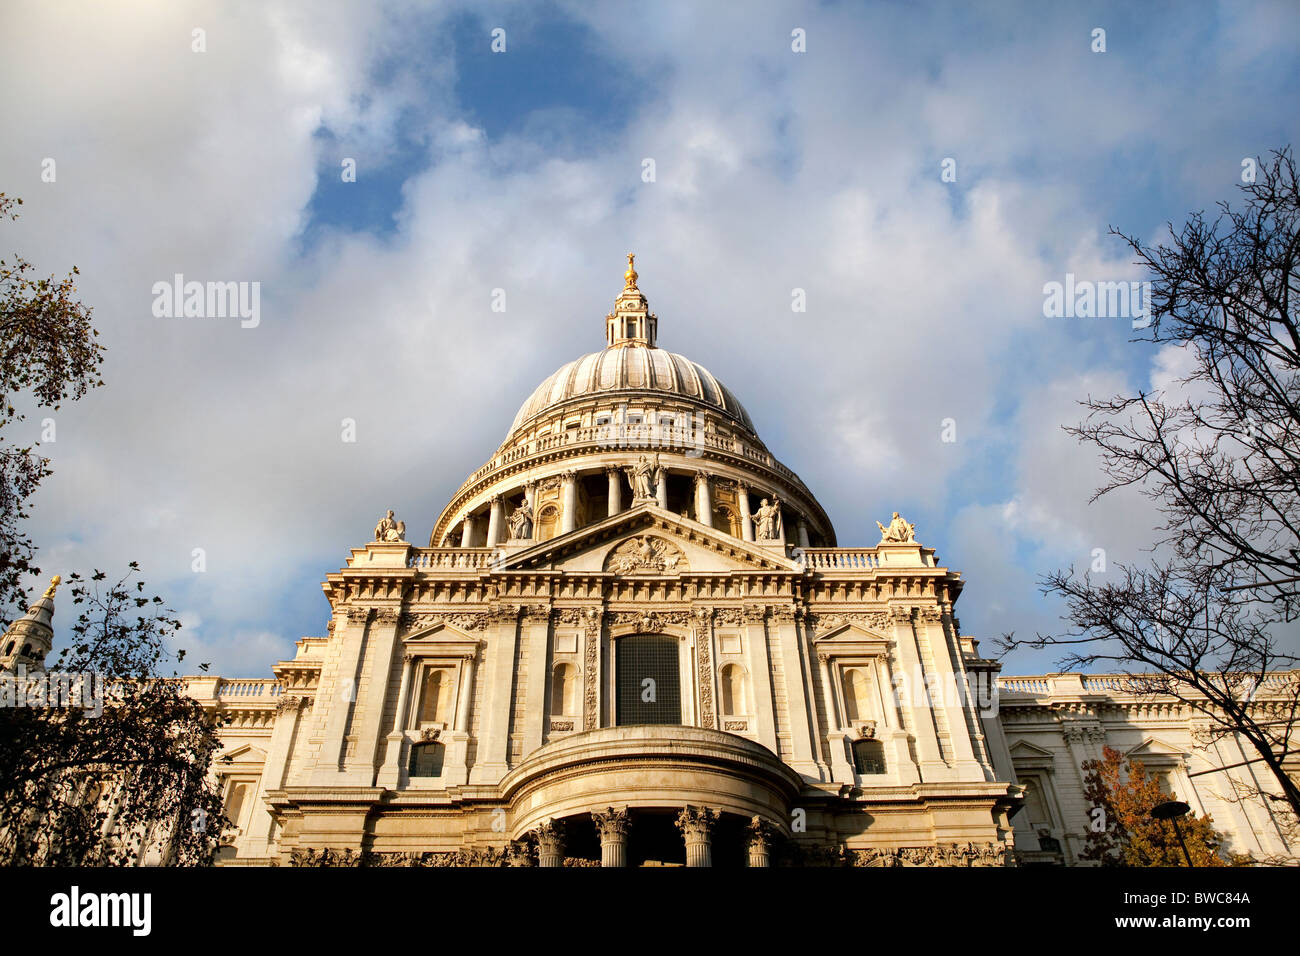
220	154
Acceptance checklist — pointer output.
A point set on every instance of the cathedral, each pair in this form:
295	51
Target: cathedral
633	639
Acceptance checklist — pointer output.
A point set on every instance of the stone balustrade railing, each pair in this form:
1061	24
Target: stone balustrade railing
249	688
451	559
842	559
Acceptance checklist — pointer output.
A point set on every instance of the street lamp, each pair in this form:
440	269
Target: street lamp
1171	810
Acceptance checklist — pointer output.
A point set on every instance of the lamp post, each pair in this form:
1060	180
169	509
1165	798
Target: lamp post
1171	810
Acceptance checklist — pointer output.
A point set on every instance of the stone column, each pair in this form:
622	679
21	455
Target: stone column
661	488
390	772
696	824
802	527
746	519
703	499
467	532
287	712
494	522
367	718
569	520
550	844
611	824
615	479
841	769
337	690
466	692
760	842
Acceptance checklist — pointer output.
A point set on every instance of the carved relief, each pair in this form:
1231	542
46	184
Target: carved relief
646	554
703	640
590	697
463	620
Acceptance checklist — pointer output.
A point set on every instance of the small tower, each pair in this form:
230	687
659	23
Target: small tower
29	638
631	322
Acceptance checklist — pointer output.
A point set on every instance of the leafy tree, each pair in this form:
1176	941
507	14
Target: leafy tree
78	788
1207	620
1126	834
48	351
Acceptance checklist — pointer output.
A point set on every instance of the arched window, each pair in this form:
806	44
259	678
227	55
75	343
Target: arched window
435	697
548	523
869	756
564	691
649	686
9	648
236	801
426	759
724	519
734	699
857	694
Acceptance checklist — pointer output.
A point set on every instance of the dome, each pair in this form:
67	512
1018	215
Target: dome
632	368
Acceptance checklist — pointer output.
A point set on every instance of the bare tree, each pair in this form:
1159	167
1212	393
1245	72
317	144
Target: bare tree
1210	621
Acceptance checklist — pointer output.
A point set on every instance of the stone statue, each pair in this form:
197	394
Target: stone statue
396	534
898	531
767	520
386	524
521	521
642	476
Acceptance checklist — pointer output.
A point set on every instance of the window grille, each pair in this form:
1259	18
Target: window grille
426	759
640	660
869	756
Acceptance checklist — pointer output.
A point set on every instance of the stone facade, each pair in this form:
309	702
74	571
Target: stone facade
633	640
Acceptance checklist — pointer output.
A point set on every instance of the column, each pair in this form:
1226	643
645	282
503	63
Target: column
550	844
615	479
273	773
611	824
390	772
760	842
746	519
569	520
466	692
661	488
924	729
703	499
467	532
696	824
336	694
368	716
494	522
494	739
802	527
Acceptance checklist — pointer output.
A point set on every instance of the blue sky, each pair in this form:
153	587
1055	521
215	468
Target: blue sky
521	170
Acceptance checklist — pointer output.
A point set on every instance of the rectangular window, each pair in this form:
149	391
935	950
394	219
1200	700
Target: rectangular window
649	686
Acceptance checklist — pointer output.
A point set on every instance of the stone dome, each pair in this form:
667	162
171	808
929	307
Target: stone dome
632	368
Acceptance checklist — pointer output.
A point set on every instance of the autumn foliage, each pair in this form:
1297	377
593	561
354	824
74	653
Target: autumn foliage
1122	832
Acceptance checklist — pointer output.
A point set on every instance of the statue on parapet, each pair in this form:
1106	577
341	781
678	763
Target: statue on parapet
521	521
643	476
767	520
898	532
390	530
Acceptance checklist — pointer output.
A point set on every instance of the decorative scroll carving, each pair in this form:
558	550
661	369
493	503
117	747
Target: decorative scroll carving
590	696
287	703
386	616
463	620
727	615
945	854
646	554
704	657
537	612
735	725
755	613
358	615
651	620
871	620
561	725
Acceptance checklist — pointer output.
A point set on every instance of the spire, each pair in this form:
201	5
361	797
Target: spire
631	323
29	638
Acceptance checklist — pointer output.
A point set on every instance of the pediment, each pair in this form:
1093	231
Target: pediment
1024	749
247	754
1155	751
850	638
648	541
446	633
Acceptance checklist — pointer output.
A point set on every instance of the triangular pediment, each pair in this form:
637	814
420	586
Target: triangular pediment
850	638
1023	749
648	541
446	631
247	754
1154	749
